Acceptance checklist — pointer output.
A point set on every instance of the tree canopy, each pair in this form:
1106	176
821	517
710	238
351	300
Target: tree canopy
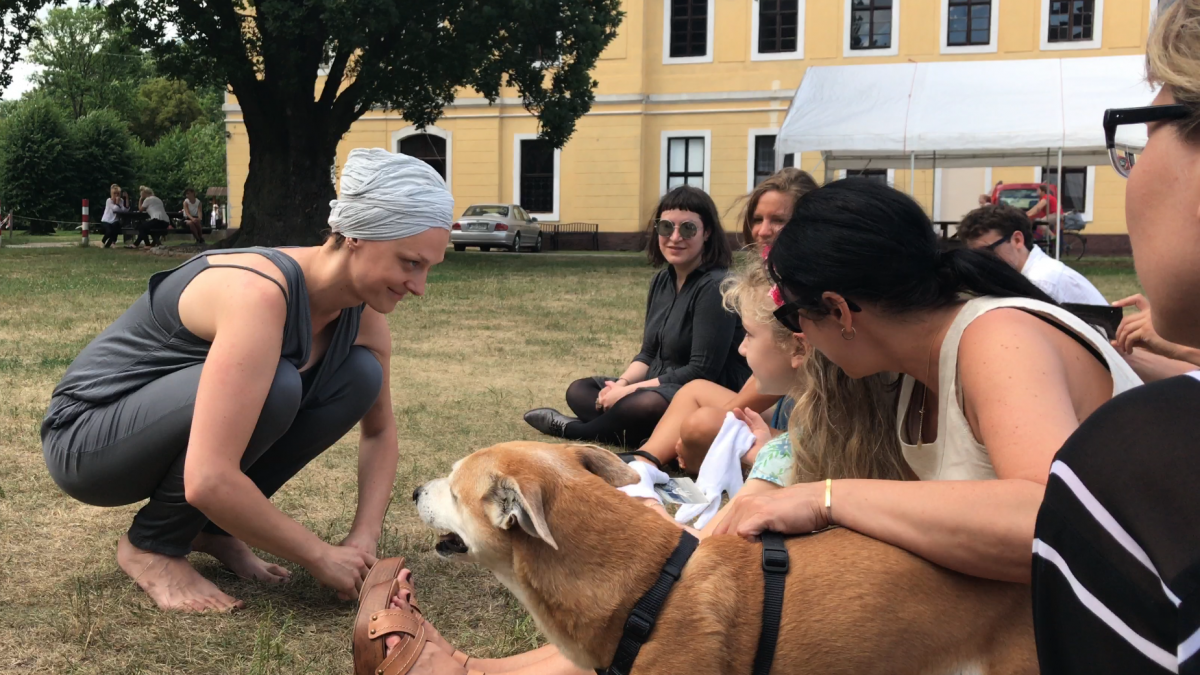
304	70
18	27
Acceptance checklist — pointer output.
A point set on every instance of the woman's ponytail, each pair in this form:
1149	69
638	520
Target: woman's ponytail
874	244
963	270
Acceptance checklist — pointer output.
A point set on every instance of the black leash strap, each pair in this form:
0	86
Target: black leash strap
775	564
641	620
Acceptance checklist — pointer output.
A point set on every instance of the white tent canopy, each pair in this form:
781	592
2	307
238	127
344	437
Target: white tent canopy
964	113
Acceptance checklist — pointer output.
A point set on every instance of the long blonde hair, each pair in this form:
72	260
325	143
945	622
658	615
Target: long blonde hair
1173	59
840	427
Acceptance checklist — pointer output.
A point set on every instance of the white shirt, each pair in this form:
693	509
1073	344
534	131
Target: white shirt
192	208
111	209
154	208
1060	282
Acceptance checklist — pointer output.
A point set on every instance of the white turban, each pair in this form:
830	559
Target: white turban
389	196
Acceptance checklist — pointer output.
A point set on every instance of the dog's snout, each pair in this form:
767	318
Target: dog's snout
417	492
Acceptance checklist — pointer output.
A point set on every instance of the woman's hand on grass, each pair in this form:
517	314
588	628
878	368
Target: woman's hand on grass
343	568
364	542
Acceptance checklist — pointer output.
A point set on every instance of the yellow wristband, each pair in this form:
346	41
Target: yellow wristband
829	501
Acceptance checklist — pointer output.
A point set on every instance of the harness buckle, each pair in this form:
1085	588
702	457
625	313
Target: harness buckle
639	625
775	560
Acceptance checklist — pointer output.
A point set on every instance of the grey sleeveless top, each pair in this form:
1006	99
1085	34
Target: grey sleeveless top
149	340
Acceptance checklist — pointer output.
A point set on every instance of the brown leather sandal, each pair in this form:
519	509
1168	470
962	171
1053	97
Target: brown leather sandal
376	620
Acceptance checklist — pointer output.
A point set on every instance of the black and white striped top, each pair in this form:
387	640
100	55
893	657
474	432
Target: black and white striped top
1116	568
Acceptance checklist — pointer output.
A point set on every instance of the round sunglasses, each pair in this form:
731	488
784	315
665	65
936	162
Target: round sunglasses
665	228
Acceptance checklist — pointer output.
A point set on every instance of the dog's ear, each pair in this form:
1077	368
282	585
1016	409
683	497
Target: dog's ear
605	464
507	502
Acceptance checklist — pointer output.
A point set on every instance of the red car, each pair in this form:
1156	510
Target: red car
1020	195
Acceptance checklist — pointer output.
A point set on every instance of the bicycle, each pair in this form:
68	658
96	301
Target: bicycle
1074	243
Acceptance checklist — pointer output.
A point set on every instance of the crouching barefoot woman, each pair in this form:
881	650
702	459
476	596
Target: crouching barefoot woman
236	369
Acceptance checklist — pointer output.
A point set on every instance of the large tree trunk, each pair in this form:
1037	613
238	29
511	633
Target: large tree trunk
288	188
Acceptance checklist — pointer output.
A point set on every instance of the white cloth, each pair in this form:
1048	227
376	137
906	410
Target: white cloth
650	476
1060	282
111	209
385	195
154	208
721	471
955	454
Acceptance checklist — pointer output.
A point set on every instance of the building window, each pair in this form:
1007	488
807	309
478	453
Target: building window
685	162
969	23
689	28
1073	194
537	176
777	26
871	24
1071	20
764	157
878	175
427	148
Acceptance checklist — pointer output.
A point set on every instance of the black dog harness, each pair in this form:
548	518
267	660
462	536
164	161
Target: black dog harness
644	615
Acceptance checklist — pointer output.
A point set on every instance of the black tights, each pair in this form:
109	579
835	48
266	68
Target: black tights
628	423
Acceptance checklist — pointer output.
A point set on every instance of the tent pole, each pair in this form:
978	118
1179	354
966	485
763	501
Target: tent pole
933	194
1059	201
828	173
912	175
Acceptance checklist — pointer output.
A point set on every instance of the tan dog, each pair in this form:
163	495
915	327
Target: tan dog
578	554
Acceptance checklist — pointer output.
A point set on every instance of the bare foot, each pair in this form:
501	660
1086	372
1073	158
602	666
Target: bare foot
237	556
171	582
434	659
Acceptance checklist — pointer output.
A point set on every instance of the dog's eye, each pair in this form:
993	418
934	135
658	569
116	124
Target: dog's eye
453	497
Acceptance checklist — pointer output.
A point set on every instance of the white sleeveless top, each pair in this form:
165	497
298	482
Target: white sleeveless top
956	455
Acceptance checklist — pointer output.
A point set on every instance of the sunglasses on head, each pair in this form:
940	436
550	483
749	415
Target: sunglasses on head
1122	157
789	314
665	228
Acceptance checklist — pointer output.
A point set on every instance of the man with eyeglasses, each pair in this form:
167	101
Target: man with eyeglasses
1005	231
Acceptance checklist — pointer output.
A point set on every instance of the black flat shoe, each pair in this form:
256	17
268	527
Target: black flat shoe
549	421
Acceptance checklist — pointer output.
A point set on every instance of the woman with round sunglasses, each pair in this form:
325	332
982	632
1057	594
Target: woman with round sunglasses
698	410
1116	574
995	378
688	335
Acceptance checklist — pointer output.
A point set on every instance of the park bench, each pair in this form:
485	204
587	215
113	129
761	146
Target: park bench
130	220
590	230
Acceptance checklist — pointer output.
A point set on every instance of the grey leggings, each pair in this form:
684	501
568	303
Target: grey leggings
134	448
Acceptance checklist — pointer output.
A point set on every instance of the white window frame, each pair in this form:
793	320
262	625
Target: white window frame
708	44
662	156
993	41
516	195
1089	198
432	130
847	52
1097	31
775	56
753	134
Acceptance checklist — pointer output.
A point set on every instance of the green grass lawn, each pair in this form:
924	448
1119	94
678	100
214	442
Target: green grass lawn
495	336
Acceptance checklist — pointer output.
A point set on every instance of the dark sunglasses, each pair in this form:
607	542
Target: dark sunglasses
997	244
789	314
665	228
1123	158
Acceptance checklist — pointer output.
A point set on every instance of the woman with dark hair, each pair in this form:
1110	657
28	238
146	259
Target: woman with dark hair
995	378
688	335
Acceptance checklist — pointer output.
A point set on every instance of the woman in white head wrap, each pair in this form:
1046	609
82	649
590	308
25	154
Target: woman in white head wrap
235	370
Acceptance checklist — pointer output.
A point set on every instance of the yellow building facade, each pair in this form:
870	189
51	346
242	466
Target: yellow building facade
695	90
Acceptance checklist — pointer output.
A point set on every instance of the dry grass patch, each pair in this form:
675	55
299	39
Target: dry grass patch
495	336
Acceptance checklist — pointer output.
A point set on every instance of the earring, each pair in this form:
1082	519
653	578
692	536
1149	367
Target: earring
853	334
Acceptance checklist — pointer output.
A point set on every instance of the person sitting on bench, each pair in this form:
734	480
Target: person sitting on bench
157	223
191	215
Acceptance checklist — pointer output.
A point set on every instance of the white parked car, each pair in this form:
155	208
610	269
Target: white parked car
489	226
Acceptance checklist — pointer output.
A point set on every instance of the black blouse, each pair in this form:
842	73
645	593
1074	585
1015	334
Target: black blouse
689	335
